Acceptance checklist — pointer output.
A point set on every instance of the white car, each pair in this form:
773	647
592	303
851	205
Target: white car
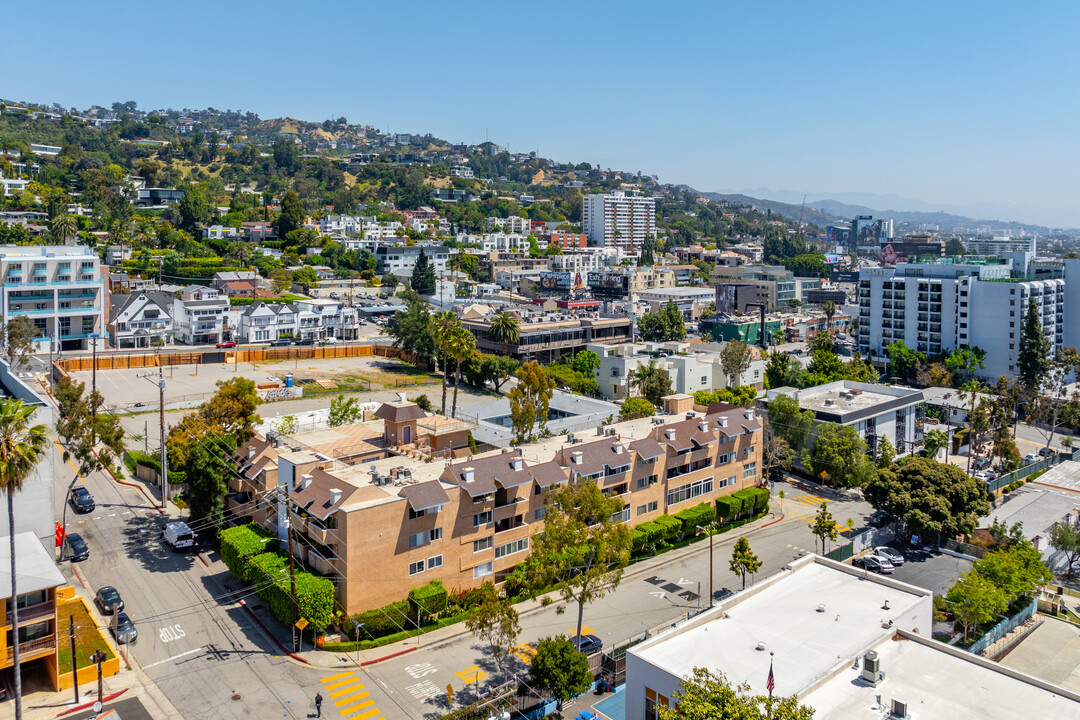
1030	458
889	554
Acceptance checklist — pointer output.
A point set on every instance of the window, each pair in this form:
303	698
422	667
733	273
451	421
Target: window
654	505
482	570
512	547
435	534
434	562
641	509
723	458
747	452
481	518
417	539
482	544
416	567
689	491
539	513
623	515
413	514
653	701
749	470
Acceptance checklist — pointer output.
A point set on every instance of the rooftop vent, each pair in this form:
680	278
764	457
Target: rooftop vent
670	432
401	397
467	475
748	413
821	608
722	420
618	448
335	496
760	646
829	402
576	457
899	709
703	426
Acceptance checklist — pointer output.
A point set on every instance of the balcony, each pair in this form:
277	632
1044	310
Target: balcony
509	523
322	565
34	612
33	648
240	506
320	534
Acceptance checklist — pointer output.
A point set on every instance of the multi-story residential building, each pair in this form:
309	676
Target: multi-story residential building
624	282
200	316
618	219
60	288
382	528
937	307
401	259
690	301
311	318
37	583
1000	245
35	503
547	338
159	197
689	368
777	286
512	224
141	320
576	261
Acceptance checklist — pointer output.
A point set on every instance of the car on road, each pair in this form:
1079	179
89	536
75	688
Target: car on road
79	549
334	296
281	342
588	644
893	556
82	500
178	536
226	344
1047	452
305	341
328	341
1030	458
109	600
123	629
874	563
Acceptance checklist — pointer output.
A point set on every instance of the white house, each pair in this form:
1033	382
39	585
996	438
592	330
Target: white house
200	315
141	320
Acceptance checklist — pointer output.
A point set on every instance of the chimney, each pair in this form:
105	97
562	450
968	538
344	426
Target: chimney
335	496
748	413
250	453
305	482
576	457
703	426
467	474
670	432
618	448
518	464
723	421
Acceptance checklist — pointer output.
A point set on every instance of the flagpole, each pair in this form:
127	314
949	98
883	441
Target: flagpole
770	683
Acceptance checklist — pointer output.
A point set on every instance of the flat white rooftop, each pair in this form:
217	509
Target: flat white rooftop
34	564
782	612
939	682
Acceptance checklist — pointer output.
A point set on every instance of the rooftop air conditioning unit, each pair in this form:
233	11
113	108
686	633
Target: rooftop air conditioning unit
871	669
899	709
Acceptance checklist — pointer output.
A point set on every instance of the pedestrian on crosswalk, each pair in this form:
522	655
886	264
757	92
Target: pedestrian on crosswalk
318	705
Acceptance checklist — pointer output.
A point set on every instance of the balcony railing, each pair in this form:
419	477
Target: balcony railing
33	648
33	612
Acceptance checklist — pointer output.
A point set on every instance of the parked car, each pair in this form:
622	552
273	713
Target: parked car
226	344
305	341
281	342
108	599
78	547
874	563
893	556
334	296
1047	452
982	463
123	629
178	535
1030	458
589	644
328	341
82	500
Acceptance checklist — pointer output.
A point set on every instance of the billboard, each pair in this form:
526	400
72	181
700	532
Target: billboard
561	281
841	276
609	283
726	299
898	252
839	235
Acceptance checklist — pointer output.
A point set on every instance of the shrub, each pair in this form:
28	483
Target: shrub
379	623
669	526
427	601
645	535
753	499
239	545
692	517
728	507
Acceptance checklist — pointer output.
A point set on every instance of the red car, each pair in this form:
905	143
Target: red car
227	344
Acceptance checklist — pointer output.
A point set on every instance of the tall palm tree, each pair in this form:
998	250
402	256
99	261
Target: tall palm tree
968	391
462	346
21	448
63	226
443	326
505	328
642	377
829	308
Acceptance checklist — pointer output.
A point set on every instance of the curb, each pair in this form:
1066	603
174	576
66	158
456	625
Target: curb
103	700
271	635
771	522
387	657
149	497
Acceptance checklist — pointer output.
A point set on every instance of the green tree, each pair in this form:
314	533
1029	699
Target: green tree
743	560
964	361
586	362
423	275
560	669
955	247
443	326
633	407
886	454
231	411
839	452
193	210
530	400
494	622
776	368
1033	357
306	277
1017	570
934	442
708	696
22	447
17	340
505	328
208	474
1065	538
735	359
411	328
389	280
651	381
904	362
788	421
583	548
344	411
824	526
929	496
975	601
291	217
674	321
829	308
62	227
286	425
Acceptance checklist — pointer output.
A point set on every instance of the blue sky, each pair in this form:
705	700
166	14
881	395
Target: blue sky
960	103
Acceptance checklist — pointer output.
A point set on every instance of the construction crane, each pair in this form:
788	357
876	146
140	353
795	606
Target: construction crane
801	211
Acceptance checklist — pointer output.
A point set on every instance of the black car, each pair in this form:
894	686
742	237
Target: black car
1047	452
82	500
123	629
79	549
281	342
306	341
108	599
588	644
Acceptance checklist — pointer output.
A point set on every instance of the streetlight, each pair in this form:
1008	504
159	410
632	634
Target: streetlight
358	626
709	530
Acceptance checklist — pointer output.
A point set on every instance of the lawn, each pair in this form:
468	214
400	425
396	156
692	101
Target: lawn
88	638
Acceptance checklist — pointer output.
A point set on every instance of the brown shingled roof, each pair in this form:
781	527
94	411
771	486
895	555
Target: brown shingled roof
400	412
595	455
315	498
547	474
425	495
489	473
647	448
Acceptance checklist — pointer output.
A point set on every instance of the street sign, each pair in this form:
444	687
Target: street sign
449	693
301	623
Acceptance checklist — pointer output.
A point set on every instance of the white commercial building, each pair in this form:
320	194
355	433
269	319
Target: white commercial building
200	315
1000	245
689	370
849	644
938	307
61	289
618	219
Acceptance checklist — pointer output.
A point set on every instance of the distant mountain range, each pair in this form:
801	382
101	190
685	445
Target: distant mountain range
916	214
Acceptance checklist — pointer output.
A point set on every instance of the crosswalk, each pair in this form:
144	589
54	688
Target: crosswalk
350	698
805	507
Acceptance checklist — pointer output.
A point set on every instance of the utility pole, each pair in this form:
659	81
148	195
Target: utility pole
161	416
292	577
710	531
71	638
146	437
98	657
93	387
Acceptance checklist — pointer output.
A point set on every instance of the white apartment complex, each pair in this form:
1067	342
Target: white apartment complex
999	245
60	288
618	219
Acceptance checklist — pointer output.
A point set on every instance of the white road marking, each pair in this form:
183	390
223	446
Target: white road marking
659	593
112	514
174	657
684	581
126	512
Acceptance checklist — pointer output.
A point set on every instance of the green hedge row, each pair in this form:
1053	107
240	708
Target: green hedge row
669	527
138	457
241	544
393	638
693	517
427	601
750	500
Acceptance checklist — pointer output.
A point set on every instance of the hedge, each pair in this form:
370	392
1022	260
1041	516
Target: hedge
693	517
138	457
242	543
427	600
644	535
728	507
379	623
314	594
669	526
753	499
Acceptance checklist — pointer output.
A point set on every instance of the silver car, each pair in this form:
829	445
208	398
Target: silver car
889	554
123	629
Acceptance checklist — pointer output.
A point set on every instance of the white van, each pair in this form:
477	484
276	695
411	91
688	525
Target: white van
178	536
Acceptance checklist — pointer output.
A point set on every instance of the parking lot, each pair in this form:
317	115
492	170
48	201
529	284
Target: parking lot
931	570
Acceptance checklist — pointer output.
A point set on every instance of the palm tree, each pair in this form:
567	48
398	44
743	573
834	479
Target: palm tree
505	328
462	346
642	377
63	226
968	391
21	448
829	308
443	326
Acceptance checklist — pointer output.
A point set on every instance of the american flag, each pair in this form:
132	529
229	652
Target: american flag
770	684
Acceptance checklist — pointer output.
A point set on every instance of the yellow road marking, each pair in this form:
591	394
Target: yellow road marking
471	674
347	691
369	713
585	630
61	447
352	698
356	708
342	683
332	678
525	652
